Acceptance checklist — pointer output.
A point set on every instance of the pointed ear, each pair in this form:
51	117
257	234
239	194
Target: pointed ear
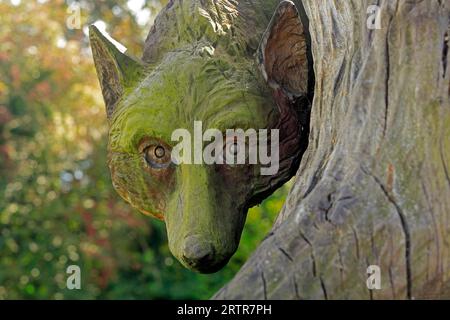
282	54
115	70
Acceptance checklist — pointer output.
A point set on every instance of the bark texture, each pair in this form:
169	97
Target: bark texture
373	187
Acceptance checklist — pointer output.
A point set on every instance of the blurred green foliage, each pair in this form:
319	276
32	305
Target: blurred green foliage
57	204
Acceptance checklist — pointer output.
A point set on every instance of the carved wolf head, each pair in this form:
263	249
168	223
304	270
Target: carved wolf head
207	61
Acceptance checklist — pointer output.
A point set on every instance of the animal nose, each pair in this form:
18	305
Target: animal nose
197	253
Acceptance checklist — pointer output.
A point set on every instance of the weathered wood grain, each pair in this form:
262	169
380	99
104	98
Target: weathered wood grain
374	184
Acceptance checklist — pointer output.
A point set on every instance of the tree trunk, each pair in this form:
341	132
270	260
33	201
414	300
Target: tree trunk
373	187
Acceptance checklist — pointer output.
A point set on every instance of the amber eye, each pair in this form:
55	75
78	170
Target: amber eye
231	150
157	156
160	152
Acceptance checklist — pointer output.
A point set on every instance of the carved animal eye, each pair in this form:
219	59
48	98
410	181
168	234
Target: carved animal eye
157	156
160	152
233	148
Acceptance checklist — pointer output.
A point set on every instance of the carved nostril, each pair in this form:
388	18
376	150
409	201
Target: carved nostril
197	253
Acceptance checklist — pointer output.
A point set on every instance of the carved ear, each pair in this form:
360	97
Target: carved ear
115	70
282	54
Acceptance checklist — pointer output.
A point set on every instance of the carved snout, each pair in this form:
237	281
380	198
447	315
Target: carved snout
203	228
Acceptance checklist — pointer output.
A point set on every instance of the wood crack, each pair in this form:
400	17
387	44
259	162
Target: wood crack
297	295
405	229
284	252
264	285
446	172
388	76
313	258
324	288
444	54
355	235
